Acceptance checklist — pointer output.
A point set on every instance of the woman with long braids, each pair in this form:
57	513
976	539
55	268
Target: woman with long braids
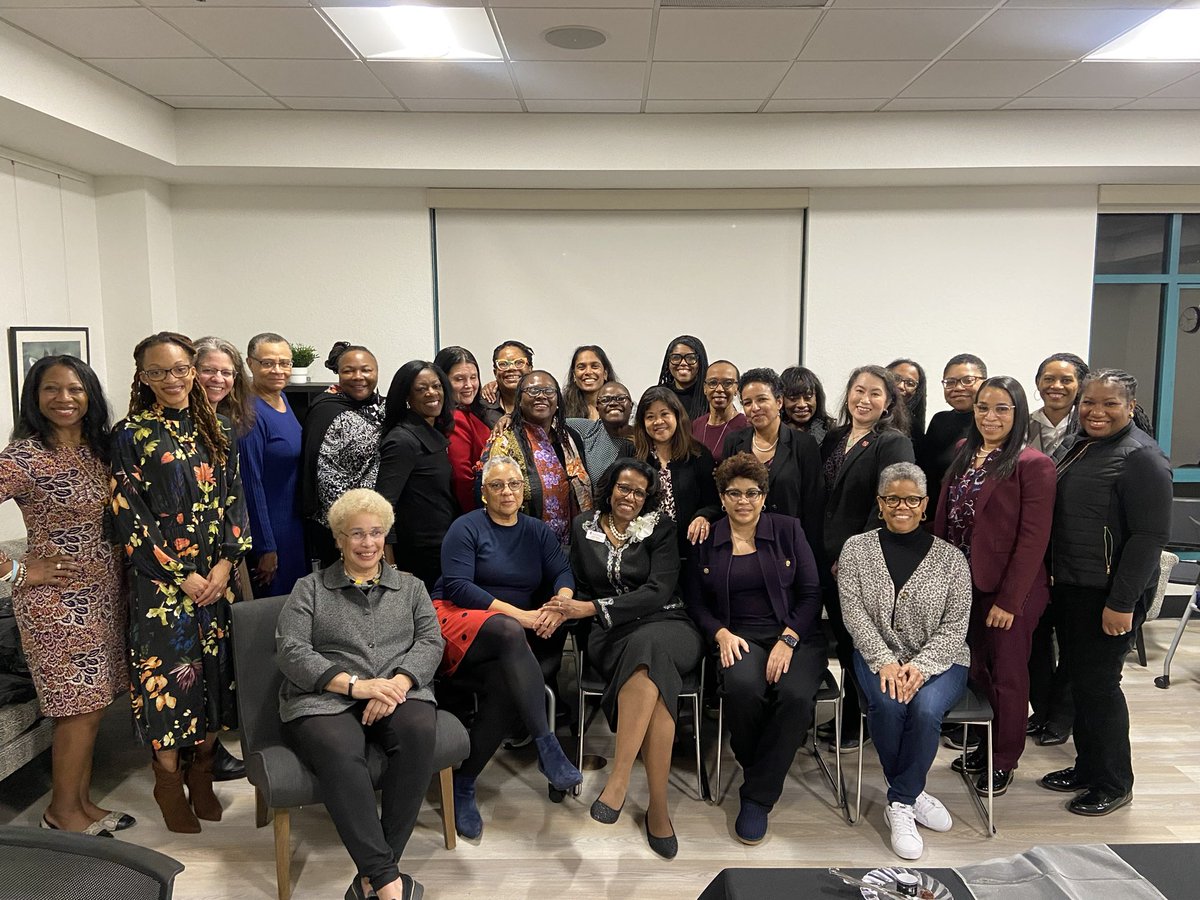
178	508
683	369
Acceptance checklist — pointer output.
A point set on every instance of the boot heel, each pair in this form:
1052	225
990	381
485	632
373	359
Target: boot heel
168	794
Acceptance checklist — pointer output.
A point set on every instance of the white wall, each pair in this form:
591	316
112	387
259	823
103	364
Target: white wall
1004	273
314	264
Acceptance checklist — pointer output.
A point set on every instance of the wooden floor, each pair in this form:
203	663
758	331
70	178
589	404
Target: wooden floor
534	848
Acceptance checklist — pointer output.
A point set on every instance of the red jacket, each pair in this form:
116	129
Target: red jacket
467	441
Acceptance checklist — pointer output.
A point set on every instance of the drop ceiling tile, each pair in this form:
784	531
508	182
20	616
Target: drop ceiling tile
702	106
1165	103
847	79
444	79
1091	4
936	103
59	4
627	30
1186	89
583	106
913	4
957	78
1114	79
120	33
453	4
311	77
715	80
888	33
560	4
1068	102
276	33
241	3
580	81
732	34
368	104
474	106
222	102
862	104
179	77
1046	33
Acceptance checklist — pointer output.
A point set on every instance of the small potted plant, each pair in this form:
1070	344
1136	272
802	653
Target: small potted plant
302	357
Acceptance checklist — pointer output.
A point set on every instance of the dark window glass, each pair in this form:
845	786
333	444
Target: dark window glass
1125	329
1131	245
1185	422
1189	246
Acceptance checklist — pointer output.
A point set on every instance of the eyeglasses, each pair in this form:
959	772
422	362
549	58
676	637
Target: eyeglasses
515	485
535	391
284	365
737	496
180	371
966	381
891	501
911	383
614	400
690	358
1000	409
209	372
727	384
358	536
628	490
519	363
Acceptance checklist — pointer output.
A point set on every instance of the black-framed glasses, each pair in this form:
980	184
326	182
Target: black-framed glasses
1000	409
538	391
614	400
519	363
893	501
516	485
966	381
180	371
910	383
690	358
727	384
753	494
628	490
284	365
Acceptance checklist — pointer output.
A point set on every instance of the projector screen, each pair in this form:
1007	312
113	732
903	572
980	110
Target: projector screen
629	281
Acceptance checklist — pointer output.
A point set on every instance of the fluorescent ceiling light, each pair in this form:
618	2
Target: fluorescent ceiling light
1173	34
416	32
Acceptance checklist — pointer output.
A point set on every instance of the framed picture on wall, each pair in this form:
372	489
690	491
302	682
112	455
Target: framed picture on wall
27	345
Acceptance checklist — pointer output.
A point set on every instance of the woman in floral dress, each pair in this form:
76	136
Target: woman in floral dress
179	510
67	589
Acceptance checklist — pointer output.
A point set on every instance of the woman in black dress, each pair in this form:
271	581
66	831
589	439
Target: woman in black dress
626	566
683	368
961	380
414	467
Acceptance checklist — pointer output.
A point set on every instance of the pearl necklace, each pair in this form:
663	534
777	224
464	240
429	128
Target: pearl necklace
766	449
621	536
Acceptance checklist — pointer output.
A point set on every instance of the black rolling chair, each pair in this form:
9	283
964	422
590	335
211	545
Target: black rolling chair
1185	540
39	864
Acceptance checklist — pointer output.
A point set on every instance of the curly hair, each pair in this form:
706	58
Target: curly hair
32	424
608	481
357	501
741	465
141	397
236	405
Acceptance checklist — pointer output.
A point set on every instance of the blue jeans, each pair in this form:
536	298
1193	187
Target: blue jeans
906	735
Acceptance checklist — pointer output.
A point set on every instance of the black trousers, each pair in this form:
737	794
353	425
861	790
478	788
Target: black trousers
1049	689
767	722
335	748
845	654
1094	660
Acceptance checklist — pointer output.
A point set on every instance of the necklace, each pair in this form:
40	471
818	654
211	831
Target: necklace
766	449
721	436
621	536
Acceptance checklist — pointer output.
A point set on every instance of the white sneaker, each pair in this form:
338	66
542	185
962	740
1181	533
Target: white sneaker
906	842
932	814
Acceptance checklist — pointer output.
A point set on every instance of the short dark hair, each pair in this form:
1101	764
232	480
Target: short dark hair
741	465
33	425
798	381
333	362
608	481
765	376
524	348
265	337
397	407
1076	362
724	362
966	359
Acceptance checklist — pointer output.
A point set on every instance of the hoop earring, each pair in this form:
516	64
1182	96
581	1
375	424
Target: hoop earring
924	517
880	514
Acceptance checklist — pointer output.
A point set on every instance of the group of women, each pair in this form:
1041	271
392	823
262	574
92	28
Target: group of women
458	529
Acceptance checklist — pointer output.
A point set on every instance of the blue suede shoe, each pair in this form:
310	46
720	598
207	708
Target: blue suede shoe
553	763
467	820
751	824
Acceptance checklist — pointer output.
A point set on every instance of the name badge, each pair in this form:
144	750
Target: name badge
597	536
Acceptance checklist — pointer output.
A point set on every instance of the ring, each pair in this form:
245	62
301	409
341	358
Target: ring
58	565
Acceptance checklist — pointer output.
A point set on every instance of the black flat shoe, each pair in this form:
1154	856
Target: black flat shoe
1096	802
1065	781
1001	779
975	764
1033	727
954	739
355	891
1051	737
666	847
605	814
226	766
411	888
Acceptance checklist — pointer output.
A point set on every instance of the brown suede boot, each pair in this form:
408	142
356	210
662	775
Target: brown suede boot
168	794
200	785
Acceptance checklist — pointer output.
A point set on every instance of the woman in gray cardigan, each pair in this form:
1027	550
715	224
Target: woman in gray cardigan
906	601
358	644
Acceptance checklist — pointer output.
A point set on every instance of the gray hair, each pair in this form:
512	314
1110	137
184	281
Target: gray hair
902	471
356	502
210	344
494	461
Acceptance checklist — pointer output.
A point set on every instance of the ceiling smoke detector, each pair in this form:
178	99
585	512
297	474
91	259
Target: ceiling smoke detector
575	37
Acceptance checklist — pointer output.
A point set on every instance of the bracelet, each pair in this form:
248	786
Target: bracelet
22	574
12	573
350	688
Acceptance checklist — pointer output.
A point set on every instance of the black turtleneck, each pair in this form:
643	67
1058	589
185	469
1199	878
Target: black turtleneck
904	552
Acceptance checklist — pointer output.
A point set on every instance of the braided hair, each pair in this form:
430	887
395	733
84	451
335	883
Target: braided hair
1119	376
141	397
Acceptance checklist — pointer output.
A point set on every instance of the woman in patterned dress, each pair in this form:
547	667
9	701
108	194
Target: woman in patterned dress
179	510
67	590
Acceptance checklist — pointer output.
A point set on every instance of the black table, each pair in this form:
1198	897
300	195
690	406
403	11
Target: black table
1169	867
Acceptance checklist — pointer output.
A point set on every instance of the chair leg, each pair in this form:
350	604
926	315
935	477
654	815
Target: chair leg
1164	680
700	792
1140	641
262	812
991	821
862	717
719	795
446	798
283	853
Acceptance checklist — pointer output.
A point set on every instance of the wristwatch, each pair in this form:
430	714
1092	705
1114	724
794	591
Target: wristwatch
789	640
350	687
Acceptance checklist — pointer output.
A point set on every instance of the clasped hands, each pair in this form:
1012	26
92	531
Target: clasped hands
205	590
383	695
900	681
730	648
560	608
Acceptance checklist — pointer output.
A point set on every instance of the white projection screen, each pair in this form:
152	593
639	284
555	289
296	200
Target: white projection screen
626	280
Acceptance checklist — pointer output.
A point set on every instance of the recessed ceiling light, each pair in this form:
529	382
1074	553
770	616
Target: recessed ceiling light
1172	35
416	32
574	37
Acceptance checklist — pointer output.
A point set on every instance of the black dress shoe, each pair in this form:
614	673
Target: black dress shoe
1001	779
976	763
825	731
666	847
954	739
1034	727
1052	737
605	814
226	766
1066	781
1096	802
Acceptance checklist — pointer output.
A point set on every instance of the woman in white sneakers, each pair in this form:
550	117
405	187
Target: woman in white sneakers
906	601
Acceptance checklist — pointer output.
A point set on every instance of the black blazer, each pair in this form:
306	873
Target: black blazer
795	487
850	507
695	493
415	477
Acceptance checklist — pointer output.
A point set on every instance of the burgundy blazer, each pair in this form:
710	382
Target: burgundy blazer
1013	519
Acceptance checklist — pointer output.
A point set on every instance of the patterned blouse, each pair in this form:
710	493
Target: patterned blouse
960	498
349	454
556	498
666	490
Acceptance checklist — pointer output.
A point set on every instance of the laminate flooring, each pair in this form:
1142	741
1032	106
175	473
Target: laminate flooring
532	848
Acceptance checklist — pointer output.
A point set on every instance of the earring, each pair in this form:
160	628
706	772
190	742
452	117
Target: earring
880	514
485	501
924	517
